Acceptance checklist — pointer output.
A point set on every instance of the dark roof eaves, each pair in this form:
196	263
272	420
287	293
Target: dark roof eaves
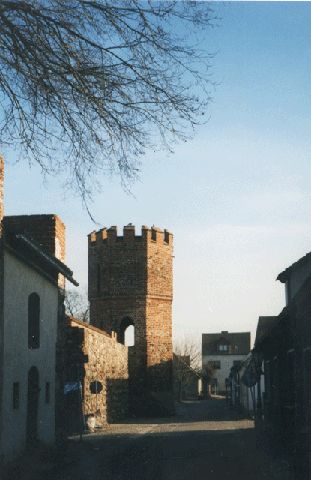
27	261
275	321
53	261
283	276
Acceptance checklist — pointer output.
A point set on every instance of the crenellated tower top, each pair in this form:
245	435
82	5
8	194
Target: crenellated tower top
153	234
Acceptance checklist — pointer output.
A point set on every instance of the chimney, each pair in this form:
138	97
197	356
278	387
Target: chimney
46	230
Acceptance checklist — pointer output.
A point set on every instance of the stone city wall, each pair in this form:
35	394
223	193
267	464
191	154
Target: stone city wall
107	364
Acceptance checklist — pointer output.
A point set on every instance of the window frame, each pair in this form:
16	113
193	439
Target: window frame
223	347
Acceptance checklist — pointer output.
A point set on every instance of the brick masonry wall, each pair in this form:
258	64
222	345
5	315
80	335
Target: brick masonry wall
159	344
47	230
159	308
117	268
107	364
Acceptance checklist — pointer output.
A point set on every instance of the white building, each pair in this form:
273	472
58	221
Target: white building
221	351
30	314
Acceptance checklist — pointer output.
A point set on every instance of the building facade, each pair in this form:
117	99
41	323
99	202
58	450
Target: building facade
31	298
284	343
246	387
28	404
221	351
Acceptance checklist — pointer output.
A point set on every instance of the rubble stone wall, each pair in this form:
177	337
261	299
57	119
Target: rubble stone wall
107	364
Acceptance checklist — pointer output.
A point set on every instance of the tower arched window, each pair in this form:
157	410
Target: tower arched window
126	334
33	321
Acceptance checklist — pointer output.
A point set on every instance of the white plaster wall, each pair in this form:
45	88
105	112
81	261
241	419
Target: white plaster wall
226	362
20	281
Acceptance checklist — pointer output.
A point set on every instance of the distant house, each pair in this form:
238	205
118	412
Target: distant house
221	351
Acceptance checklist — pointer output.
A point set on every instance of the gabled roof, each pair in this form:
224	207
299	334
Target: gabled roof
241	340
283	276
33	253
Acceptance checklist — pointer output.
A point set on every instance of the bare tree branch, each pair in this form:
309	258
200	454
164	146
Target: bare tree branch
87	86
186	361
77	305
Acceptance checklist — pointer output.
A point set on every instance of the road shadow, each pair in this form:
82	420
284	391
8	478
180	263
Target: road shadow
199	442
190	411
174	455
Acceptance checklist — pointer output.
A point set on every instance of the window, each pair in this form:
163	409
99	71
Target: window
214	364
47	392
126	334
15	396
33	321
222	347
153	234
129	336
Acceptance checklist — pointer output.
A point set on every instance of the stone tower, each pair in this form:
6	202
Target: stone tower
131	283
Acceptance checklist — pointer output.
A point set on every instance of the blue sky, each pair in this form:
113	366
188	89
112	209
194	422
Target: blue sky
237	197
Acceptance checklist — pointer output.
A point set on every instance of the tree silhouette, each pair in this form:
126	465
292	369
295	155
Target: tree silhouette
87	86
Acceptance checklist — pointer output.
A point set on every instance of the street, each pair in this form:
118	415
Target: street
203	440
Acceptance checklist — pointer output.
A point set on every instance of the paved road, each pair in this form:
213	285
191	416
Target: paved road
205	440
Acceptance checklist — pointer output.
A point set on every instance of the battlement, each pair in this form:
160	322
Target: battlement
110	235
